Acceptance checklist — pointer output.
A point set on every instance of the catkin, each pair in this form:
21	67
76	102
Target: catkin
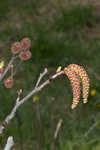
75	82
84	77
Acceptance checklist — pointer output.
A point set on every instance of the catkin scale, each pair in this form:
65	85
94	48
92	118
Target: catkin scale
84	77
75	82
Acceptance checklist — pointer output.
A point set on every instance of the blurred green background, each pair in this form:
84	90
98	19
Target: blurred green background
62	32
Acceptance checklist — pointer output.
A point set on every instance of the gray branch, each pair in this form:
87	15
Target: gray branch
8	67
35	90
9	144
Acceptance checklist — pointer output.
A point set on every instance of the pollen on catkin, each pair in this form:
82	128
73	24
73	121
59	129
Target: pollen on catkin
79	70
75	82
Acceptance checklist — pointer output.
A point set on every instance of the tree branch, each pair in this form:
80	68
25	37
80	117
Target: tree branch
8	67
35	90
41	76
9	144
58	128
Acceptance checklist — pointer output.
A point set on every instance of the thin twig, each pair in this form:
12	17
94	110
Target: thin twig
8	67
19	103
41	76
58	128
9	144
53	145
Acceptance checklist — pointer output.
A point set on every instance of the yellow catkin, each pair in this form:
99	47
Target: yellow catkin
75	82
84	77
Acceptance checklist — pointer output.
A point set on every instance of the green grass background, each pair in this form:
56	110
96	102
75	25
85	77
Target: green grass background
62	32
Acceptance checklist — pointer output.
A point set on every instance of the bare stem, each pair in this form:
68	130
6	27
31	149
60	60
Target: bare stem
59	124
8	67
9	144
58	128
35	90
41	76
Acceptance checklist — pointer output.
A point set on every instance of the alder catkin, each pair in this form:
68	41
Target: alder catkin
79	70
75	82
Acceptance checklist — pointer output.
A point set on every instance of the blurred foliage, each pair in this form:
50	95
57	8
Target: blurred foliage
60	35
